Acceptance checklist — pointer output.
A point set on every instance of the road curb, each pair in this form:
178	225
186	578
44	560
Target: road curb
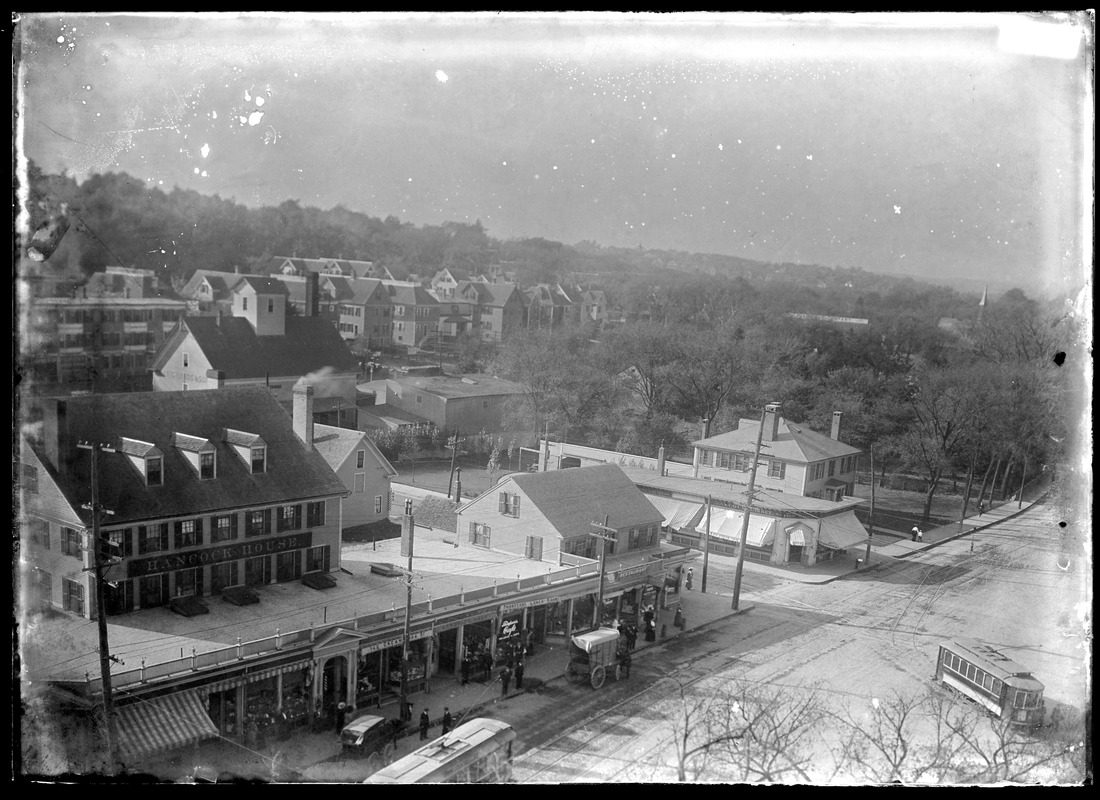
976	528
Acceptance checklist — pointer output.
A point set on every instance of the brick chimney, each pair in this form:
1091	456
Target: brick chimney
313	290
407	531
661	460
771	421
303	412
835	433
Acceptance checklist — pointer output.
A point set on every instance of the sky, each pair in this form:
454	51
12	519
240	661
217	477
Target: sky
938	146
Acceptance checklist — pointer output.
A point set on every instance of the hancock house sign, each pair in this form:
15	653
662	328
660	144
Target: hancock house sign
140	567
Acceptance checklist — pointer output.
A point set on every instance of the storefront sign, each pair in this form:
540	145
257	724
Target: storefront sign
454	623
140	567
508	628
626	572
393	641
528	604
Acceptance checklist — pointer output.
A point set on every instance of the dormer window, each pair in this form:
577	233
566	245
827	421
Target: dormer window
206	466
259	459
154	471
244	304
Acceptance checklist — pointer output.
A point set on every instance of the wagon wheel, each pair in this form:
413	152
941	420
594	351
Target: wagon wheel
598	677
387	754
374	762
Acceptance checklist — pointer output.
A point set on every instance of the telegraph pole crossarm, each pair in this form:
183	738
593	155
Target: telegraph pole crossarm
101	603
748	510
605	534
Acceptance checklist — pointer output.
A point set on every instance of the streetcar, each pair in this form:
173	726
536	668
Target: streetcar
478	751
988	677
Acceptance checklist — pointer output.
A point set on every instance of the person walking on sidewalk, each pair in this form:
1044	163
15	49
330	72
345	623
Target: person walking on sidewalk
914	532
505	680
981	507
425	723
689	576
448	723
519	674
920	535
465	668
678	621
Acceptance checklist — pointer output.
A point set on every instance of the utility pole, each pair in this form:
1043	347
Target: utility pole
871	518
405	715
605	535
101	604
748	510
706	551
452	445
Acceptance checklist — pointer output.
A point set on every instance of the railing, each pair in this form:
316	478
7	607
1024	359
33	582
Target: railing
291	639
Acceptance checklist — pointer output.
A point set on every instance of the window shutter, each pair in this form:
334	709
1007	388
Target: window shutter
233	535
473	529
198	538
298	516
267	520
164	542
515	505
141	539
502	502
198	582
179	534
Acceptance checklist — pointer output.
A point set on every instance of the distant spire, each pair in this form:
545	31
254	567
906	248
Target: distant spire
985	292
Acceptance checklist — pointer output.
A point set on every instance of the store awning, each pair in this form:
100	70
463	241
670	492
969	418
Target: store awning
726	524
677	513
254	677
796	535
841	531
149	727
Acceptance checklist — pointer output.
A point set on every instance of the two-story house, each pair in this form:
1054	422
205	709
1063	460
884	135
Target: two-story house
363	470
415	313
366	311
444	284
260	344
497	308
793	458
548	306
552	516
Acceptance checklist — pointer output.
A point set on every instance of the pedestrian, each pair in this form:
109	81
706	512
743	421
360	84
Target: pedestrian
651	631
425	723
519	675
914	532
407	714
632	636
678	622
689	576
920	535
447	721
341	716
465	669
981	507
505	680
624	663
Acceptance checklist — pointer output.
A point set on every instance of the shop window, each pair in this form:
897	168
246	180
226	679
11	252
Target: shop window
72	597
223	528
534	548
153	591
119	598
479	534
188	582
222	576
70	543
288	566
257	571
317	558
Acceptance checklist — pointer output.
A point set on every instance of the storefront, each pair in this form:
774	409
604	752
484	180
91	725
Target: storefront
457	637
509	637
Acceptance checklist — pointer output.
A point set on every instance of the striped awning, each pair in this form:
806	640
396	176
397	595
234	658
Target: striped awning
726	524
677	513
254	677
149	727
796	535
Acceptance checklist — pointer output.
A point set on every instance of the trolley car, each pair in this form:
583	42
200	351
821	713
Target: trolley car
593	655
986	676
478	751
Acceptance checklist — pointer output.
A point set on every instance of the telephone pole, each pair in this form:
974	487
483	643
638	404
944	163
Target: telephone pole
101	604
871	518
748	510
706	551
405	714
605	535
452	445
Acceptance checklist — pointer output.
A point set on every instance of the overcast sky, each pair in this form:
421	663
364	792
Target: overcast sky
893	142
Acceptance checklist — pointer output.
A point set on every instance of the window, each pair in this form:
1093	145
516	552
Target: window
360	458
38	532
271	305
479	534
508	504
259	456
378	504
222	576
290	518
634	539
223	529
317	558
153	591
654	535
244	303
152	538
832	467
776	469
30	478
257	522
742	462
154	471
70	543
122	543
189	582
315	514
257	571
360	482
206	466
43	586
185	360
188	533
288	566
534	548
72	596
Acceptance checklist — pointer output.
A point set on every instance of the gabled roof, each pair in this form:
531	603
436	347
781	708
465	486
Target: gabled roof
404	294
260	285
365	290
572	499
336	444
219	283
292	471
548	296
490	294
232	346
794	442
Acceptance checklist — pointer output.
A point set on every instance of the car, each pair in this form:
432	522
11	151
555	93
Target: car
371	736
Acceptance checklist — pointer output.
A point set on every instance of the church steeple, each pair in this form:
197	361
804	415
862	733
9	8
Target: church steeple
982	302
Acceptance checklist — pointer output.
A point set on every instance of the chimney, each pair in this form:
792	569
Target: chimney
771	421
303	412
661	460
407	531
545	456
706	427
313	289
835	433
54	430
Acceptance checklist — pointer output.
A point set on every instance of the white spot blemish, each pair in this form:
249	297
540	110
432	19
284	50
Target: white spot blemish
247	96
244	120
205	150
61	40
739	141
897	209
779	147
255	117
259	101
204	174
505	163
196	170
441	76
213	115
809	158
720	147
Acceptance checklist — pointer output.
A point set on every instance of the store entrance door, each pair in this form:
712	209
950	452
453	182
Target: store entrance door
336	676
448	651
